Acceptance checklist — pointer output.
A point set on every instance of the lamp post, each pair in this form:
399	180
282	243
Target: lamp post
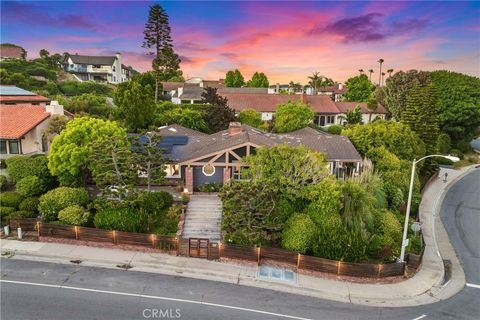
409	203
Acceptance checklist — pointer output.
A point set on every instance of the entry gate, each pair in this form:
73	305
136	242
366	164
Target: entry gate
198	247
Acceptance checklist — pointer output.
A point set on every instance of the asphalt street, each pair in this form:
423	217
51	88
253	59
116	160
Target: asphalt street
39	290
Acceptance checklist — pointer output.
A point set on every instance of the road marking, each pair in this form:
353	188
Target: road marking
471	285
421	317
157	298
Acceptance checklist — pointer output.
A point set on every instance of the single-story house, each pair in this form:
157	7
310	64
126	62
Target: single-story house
12	95
367	115
22	128
196	158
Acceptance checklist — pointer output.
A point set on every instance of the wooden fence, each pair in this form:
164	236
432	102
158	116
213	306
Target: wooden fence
215	251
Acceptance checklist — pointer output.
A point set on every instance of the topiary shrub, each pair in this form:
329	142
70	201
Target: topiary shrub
299	233
120	219
335	129
74	215
29	204
22	214
57	199
6	211
31	186
10	199
3	182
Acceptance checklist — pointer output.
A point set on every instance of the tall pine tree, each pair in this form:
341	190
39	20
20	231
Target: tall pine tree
158	41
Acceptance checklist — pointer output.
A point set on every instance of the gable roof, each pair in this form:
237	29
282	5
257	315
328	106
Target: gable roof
178	130
16	121
10	52
101	60
344	106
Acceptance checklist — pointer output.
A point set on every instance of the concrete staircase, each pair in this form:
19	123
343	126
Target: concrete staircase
203	218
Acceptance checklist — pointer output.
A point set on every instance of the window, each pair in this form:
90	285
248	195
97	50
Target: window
44	143
208	170
13	147
172	170
3	147
330	119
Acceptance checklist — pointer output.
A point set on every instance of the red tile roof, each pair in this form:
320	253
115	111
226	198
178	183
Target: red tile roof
10	52
13	98
16	121
344	106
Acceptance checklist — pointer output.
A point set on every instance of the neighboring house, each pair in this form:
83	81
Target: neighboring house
12	95
196	158
335	92
367	115
22	128
190	91
11	52
98	68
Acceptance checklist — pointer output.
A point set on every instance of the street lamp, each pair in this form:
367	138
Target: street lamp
409	203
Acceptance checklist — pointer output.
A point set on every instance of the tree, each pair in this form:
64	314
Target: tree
189	117
360	89
112	164
218	115
397	87
380	61
136	107
294	86
354	115
24	52
292	116
372	106
299	233
166	63
259	80
250	117
370	71
234	79
69	157
390	71
149	158
56	124
315	81
90	104
44	54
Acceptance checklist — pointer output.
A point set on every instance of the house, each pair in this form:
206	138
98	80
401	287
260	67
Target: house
190	91
98	68
11	52
336	91
367	115
22	128
12	95
195	158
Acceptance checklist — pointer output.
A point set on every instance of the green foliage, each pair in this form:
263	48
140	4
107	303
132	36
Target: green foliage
189	117
292	116
31	186
120	219
385	242
259	80
155	202
299	233
29	204
3	182
209	187
22	214
76	88
250	117
52	202
89	104
6	211
136	107
218	115
168	224
358	205
360	89
10	199
56	124
397	138
74	215
20	167
335	129
326	198
71	150
234	79
354	116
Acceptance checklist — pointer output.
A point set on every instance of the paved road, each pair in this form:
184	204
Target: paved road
97	293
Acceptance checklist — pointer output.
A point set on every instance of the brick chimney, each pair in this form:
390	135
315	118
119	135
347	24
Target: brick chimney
54	108
234	128
303	97
277	88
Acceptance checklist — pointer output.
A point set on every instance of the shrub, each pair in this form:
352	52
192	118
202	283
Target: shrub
10	199
121	219
209	187
22	214
169	223
335	129
19	167
74	215
30	186
299	233
3	182
444	143
154	202
29	204
6	211
250	117
385	242
57	199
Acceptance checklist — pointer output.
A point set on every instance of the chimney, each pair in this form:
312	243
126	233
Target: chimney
234	128
54	108
303	97
277	88
340	86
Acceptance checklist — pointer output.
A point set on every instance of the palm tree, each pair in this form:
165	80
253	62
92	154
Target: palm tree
383	75
360	70
370	71
389	71
372	106
315	81
380	73
294	86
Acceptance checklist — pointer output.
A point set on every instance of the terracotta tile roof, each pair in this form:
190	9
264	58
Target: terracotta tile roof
344	106
322	104
10	52
16	121
4	99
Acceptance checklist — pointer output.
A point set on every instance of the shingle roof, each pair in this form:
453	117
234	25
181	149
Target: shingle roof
335	89
242	90
178	130
16	121
191	93
344	106
101	60
170	86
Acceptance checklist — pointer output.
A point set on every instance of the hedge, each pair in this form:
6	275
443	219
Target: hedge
29	204
3	182
22	214
19	167
74	215
6	211
120	219
31	186
57	199
10	199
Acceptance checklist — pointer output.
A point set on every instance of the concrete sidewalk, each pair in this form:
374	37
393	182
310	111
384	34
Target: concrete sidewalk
425	287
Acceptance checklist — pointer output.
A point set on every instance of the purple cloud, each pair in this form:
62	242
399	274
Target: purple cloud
408	26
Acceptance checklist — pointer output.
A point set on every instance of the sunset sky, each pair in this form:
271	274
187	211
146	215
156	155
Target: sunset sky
286	40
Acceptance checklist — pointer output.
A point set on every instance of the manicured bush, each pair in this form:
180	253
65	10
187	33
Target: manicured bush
22	214
154	202
74	215
29	204
3	182
19	167
31	186
335	129
57	199
120	219
6	211
299	233
210	187
10	199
